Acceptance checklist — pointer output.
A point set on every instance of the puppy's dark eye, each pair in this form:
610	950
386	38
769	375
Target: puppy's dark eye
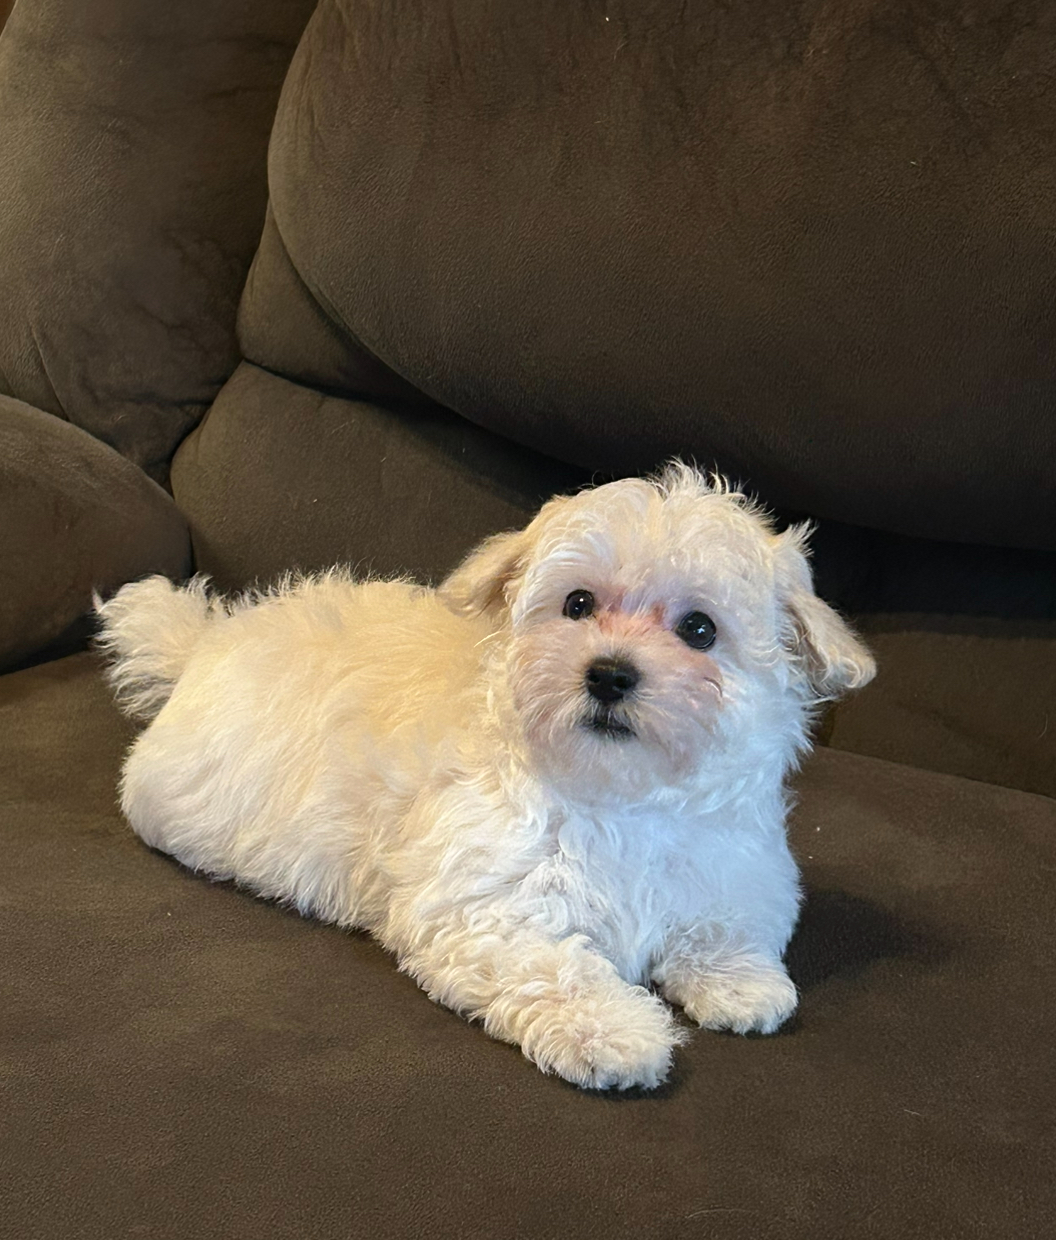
578	605
697	630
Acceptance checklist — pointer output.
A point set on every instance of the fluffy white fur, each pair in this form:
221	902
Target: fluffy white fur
428	764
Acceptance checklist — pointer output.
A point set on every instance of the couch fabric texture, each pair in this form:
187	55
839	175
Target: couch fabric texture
189	1061
499	250
797	239
131	200
76	517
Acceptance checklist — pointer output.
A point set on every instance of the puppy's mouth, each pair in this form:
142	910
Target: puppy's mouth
607	722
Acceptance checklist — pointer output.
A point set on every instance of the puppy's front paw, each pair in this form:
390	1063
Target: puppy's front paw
602	1042
756	999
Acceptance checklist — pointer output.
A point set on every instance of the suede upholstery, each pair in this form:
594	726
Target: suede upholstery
512	247
966	642
181	1059
362	482
802	240
76	517
132	146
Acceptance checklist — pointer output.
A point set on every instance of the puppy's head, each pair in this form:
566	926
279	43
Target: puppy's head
658	632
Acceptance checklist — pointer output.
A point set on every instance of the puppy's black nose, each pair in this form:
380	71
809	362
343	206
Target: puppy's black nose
610	679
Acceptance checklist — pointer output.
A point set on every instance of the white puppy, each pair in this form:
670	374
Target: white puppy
553	781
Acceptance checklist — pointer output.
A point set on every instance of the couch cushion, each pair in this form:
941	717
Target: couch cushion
813	244
181	1059
975	699
965	638
75	516
280	477
133	137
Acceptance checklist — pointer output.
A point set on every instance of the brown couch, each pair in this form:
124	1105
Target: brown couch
499	249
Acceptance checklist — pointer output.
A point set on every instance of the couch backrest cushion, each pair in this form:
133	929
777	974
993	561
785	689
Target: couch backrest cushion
133	138
813	243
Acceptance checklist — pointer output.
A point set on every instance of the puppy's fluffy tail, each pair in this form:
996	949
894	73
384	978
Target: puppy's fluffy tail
148	630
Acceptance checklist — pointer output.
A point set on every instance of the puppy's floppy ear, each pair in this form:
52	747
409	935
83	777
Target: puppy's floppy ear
832	655
480	582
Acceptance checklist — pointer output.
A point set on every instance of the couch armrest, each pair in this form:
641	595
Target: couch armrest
74	516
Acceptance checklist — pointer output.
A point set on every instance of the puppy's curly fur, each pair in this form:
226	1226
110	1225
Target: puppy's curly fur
554	787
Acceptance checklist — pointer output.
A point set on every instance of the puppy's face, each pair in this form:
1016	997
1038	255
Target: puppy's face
654	627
